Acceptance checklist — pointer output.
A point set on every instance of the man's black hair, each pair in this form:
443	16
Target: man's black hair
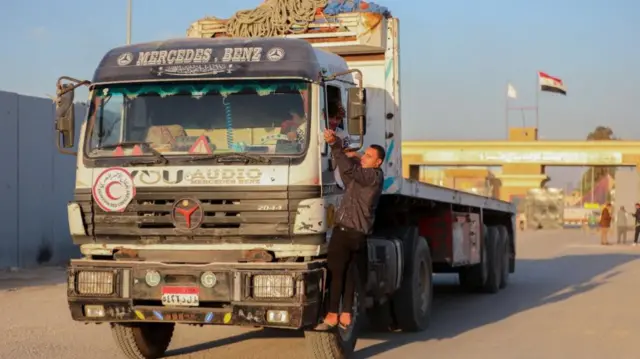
381	152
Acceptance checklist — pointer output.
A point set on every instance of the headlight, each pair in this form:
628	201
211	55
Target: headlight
100	283
273	286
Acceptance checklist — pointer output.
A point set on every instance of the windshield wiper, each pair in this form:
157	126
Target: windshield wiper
232	157
159	158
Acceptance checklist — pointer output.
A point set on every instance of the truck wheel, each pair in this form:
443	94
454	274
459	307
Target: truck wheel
472	278
412	302
143	340
337	343
494	260
505	244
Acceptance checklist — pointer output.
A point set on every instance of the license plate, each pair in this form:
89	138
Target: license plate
180	296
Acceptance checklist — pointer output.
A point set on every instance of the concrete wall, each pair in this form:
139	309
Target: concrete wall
36	182
626	192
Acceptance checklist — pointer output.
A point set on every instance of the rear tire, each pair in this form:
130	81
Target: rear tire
473	278
494	260
505	244
412	302
143	340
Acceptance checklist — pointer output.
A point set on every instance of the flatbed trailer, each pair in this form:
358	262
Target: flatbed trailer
227	223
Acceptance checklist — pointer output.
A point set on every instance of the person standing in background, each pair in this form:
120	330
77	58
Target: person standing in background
621	225
605	224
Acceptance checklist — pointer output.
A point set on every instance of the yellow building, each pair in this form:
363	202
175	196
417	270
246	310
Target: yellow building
470	179
523	158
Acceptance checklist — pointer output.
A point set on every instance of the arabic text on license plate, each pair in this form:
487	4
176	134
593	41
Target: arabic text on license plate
180	296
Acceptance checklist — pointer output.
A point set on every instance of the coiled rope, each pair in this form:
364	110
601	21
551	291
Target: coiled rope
274	18
229	121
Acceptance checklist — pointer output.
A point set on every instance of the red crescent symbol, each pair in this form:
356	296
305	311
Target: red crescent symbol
103	189
107	190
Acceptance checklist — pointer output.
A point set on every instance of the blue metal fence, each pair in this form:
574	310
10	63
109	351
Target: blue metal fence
36	182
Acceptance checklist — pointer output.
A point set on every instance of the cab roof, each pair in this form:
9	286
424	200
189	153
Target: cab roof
216	58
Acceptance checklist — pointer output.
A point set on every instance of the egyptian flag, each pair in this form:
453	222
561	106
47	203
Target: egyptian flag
551	84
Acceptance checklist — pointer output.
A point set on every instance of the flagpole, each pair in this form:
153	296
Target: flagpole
537	105
129	6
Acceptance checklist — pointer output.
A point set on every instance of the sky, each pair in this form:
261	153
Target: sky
456	57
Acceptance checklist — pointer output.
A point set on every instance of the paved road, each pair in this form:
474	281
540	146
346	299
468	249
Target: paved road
570	298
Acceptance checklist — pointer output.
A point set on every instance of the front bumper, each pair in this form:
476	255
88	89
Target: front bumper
120	293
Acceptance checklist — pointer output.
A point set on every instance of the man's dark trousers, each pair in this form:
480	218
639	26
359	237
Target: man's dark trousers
347	252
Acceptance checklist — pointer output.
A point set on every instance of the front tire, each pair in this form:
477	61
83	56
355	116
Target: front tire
143	340
337	343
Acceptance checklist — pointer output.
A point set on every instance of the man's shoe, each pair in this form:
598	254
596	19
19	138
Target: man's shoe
345	320
330	322
324	327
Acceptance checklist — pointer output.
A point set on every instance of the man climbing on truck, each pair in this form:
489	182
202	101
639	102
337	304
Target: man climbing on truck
355	215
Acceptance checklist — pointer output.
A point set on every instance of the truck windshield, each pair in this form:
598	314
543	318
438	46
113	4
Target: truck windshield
194	119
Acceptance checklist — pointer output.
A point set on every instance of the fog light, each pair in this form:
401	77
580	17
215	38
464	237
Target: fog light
278	316
208	280
95	282
272	286
152	278
94	311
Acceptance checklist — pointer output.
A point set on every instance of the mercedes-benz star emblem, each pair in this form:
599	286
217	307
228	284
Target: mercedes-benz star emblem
187	214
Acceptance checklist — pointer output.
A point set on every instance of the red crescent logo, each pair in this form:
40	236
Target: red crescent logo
107	190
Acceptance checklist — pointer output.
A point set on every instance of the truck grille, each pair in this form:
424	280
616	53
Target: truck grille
228	212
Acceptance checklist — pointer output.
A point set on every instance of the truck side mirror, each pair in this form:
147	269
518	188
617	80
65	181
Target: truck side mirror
357	111
65	115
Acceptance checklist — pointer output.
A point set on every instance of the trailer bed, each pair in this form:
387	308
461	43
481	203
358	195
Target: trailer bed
420	190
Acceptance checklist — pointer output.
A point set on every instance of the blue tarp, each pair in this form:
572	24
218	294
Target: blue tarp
335	7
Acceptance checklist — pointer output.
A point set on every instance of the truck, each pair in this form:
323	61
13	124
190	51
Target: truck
193	206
